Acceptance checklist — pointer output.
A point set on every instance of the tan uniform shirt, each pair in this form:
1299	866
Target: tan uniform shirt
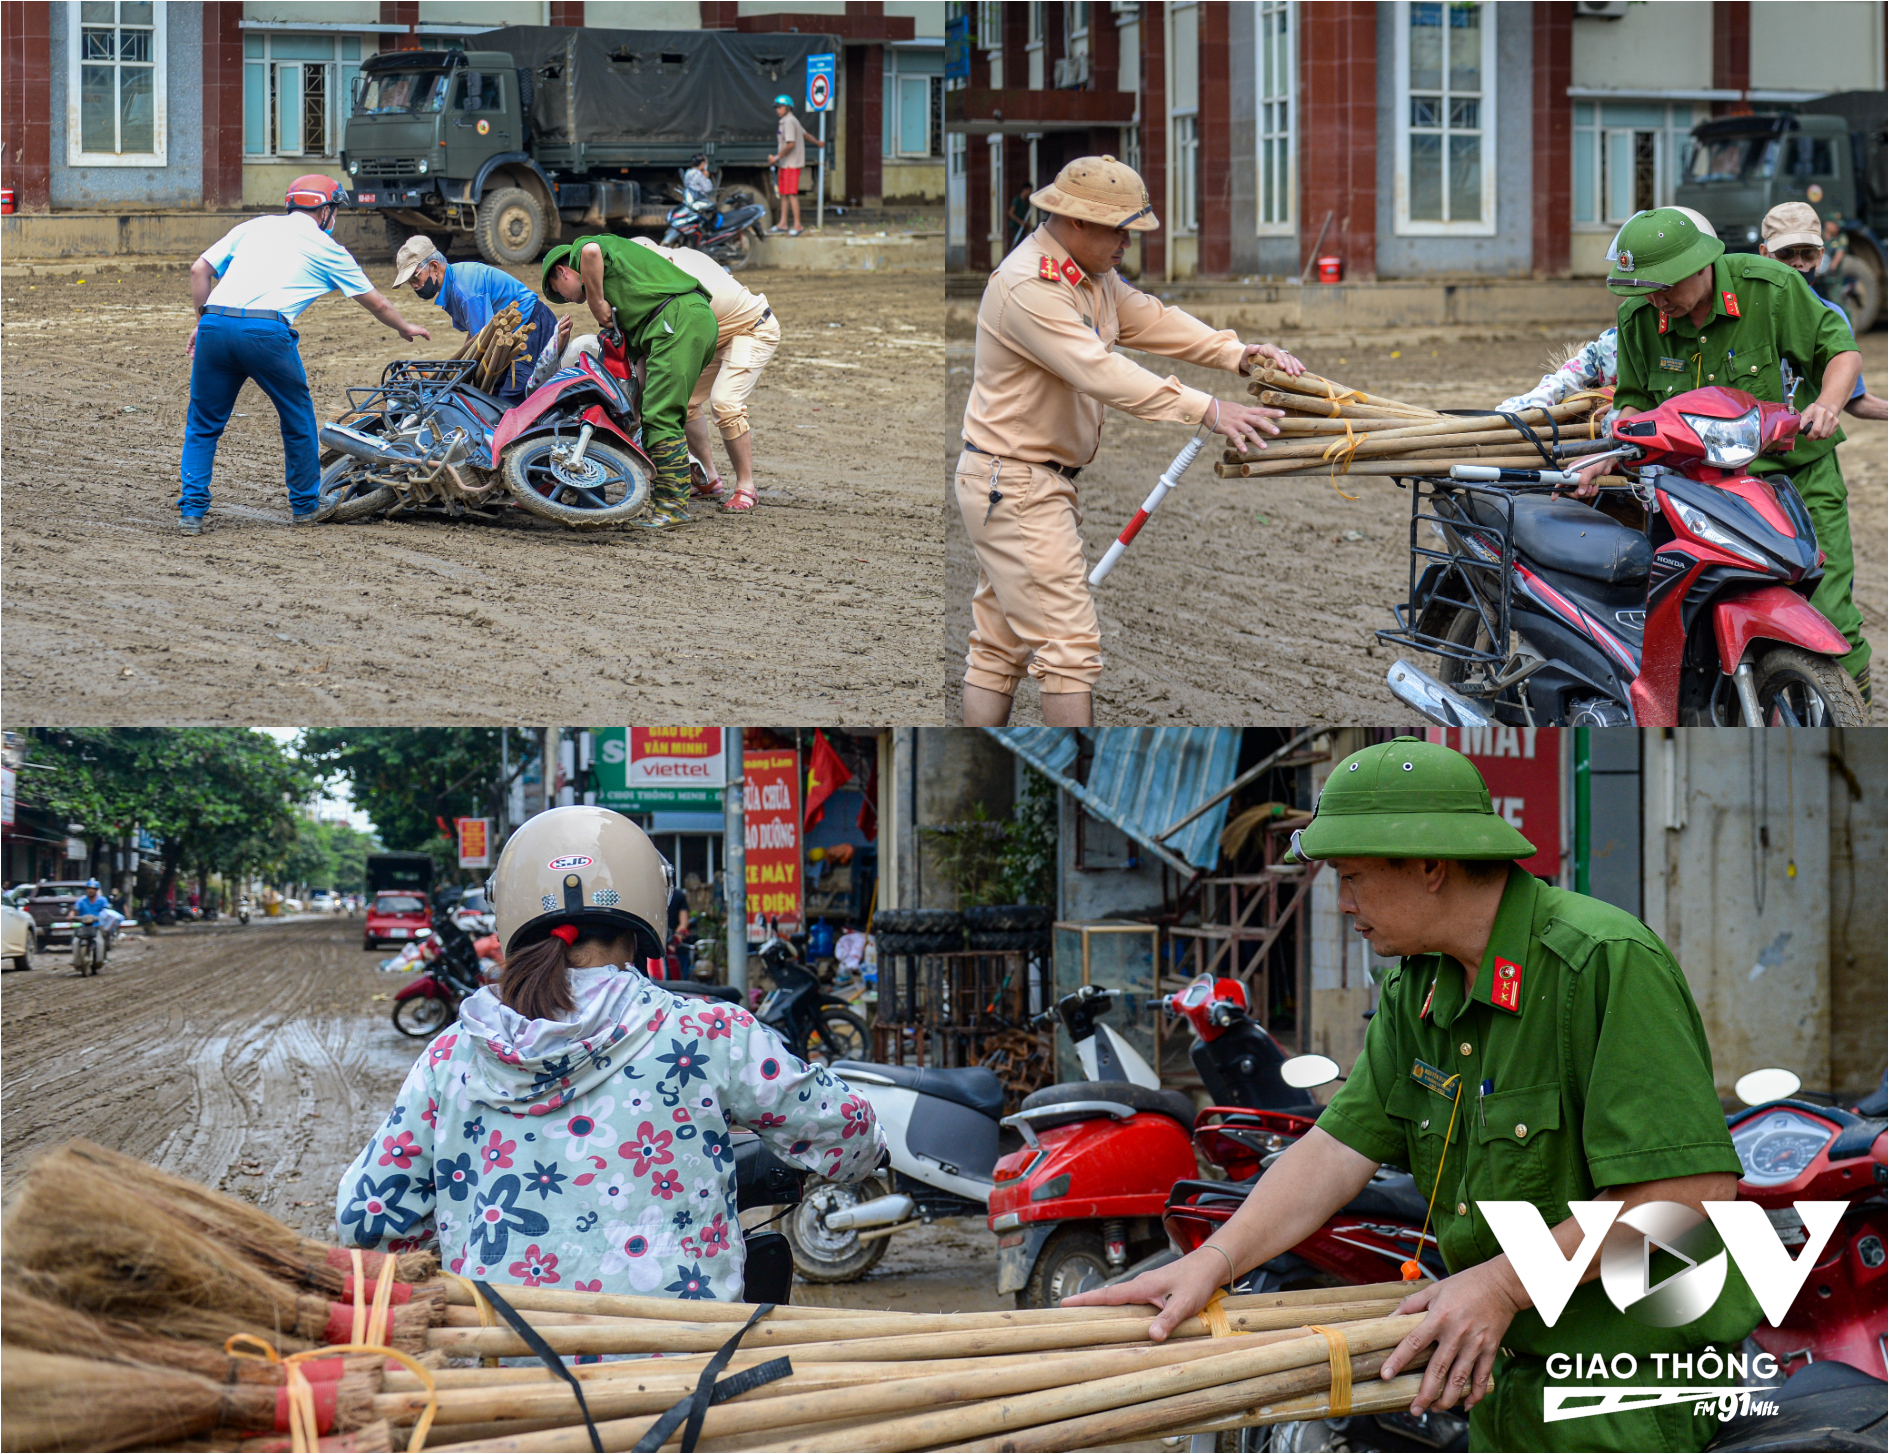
792	142
1045	366
736	309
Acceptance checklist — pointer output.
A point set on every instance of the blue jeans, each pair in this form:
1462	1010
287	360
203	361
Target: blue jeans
230	350
543	327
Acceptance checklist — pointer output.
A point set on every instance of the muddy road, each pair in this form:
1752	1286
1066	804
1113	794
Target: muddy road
822	606
258	1060
1256	600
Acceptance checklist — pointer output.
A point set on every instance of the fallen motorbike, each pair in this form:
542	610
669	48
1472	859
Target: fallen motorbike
1545	611
816	1026
88	944
429	1002
720	229
945	1130
425	440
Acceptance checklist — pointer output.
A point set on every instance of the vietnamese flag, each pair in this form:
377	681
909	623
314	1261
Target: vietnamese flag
826	775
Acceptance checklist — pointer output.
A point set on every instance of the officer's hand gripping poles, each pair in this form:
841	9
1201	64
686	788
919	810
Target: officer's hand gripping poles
1189	453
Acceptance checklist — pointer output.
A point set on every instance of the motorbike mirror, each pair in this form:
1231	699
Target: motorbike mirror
1769	1084
1302	1072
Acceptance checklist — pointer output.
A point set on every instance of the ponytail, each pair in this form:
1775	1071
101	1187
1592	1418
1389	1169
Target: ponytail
536	980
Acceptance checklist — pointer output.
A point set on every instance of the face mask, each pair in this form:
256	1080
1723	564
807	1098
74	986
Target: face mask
428	288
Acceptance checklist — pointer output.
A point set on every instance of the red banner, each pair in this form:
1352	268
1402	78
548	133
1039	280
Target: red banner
1522	766
773	838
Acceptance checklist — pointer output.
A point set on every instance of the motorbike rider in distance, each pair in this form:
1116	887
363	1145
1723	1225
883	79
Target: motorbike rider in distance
95	903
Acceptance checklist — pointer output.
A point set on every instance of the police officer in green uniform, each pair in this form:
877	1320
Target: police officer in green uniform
1532	1045
1696	315
666	318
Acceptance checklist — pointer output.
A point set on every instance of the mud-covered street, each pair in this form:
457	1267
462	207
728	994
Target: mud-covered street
1256	600
258	1059
820	606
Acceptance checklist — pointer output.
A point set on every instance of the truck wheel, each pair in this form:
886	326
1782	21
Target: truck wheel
1859	290
510	228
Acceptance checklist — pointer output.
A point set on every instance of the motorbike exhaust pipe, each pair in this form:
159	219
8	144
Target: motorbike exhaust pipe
1429	696
882	1212
364	446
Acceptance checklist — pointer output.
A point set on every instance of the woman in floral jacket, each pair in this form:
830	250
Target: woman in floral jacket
572	1130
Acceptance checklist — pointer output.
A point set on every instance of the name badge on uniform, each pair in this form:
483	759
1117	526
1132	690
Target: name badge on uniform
1508	985
1432	1079
1677	365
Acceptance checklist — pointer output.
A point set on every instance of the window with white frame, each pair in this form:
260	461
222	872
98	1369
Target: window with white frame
1274	68
115	83
1445	67
295	93
990	25
1076	18
912	124
1183	46
1186	134
1627	157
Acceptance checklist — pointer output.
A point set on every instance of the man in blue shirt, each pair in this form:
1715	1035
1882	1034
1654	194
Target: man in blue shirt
94	901
249	288
1793	235
471	294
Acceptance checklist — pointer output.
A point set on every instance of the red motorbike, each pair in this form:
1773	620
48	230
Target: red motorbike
450	971
1545	611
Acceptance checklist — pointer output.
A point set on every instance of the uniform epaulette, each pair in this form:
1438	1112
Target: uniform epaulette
1046	269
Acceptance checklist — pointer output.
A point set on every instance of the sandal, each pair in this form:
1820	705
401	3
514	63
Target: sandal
708	489
744	498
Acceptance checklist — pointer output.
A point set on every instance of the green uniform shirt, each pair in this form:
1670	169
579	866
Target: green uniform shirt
1583	1065
1772	316
637	283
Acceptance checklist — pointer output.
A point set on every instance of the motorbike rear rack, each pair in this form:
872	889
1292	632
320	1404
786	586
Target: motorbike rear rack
413	383
1456	586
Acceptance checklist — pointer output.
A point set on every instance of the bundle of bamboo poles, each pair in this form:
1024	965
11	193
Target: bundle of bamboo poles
126	1293
497	345
1330	430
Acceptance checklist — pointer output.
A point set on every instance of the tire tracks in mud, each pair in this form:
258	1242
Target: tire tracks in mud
251	1059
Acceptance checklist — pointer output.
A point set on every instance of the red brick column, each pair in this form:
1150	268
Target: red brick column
977	258
222	104
719	14
1154	135
401	12
1216	143
1338	133
571	12
1105	72
1554	137
26	103
864	99
1014	150
1731	52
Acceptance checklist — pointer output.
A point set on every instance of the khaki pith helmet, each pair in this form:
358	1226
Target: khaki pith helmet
585	866
1100	189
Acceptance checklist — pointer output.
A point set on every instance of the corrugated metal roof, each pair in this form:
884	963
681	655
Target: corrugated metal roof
1142	779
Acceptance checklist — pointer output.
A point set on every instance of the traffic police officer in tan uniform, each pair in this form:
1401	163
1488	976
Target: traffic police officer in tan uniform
1045	368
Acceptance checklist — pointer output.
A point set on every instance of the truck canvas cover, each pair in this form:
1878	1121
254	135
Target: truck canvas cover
688	87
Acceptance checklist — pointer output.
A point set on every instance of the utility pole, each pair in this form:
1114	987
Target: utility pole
735	857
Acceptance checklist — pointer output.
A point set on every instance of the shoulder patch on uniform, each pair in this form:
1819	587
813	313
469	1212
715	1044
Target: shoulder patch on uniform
1731	302
1071	273
1507	990
1046	269
1662	323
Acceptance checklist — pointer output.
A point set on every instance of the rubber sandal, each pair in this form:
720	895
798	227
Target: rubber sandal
744	498
796	231
708	489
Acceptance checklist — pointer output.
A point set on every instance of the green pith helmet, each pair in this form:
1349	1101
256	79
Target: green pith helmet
1407	798
564	253
1660	248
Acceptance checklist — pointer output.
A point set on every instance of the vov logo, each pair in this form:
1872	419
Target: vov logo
1626	1275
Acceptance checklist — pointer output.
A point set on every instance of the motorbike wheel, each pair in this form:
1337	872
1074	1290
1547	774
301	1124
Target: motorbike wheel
837	1035
736	253
1072	1261
348	494
422	1017
821	1255
1802	689
609	488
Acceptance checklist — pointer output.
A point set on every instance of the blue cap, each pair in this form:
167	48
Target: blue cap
786	101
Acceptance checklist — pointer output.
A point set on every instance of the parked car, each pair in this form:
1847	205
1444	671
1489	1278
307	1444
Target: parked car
19	936
50	904
395	918
321	902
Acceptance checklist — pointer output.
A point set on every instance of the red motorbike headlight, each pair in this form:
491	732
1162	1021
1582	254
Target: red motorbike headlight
1728	443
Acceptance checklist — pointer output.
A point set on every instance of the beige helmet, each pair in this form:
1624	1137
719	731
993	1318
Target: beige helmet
585	866
1100	189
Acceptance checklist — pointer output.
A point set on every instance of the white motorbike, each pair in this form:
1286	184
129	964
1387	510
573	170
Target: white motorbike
944	1130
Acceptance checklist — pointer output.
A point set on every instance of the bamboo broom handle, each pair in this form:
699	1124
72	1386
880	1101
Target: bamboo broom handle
1318	388
1377	1396
630	1305
923	1431
1558	413
867	1340
1441	429
1272	399
1374	468
1372	446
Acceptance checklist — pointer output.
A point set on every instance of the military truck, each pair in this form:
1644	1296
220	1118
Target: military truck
1829	153
531	131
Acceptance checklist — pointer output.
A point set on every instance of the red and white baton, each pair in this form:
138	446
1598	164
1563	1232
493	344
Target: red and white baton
1189	453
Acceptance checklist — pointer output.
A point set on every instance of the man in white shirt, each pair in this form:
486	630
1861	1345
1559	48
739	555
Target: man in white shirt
248	290
791	155
747	333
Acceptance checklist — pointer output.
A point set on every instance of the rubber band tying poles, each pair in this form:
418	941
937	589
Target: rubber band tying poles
1216	1315
487	1318
1340	1351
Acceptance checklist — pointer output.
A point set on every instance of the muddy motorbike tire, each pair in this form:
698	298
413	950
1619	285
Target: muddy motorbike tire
824	1256
339	504
528	463
422	1017
1816	689
1072	1261
736	253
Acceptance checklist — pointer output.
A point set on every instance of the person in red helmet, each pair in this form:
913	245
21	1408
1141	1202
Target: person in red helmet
248	290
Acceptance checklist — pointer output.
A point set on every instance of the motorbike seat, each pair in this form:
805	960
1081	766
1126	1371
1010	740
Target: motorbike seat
725	992
1136	1097
973	1085
1565	535
1394	1196
486	406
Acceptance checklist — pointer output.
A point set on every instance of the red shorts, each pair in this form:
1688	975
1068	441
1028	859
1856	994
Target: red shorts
790	182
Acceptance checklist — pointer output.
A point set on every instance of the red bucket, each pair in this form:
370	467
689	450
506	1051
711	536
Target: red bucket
1330	270
6	201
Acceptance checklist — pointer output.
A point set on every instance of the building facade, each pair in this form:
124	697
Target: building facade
165	105
1407	138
